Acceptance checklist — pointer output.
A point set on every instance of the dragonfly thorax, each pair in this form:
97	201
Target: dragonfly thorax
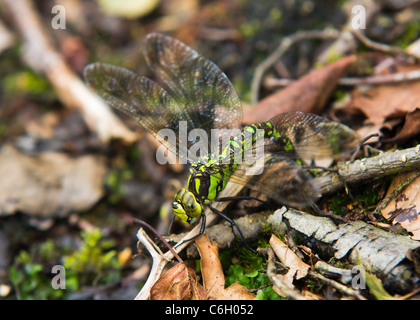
207	180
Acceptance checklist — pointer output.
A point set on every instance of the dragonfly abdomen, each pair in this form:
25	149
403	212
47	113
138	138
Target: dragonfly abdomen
206	181
246	140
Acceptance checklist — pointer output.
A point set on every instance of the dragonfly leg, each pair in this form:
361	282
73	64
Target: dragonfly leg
203	227
232	224
170	225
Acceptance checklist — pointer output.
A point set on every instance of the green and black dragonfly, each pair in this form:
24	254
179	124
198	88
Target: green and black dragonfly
193	91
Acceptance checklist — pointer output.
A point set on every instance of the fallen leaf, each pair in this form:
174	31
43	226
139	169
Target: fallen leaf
404	209
410	128
212	273
49	184
387	101
178	283
308	94
297	268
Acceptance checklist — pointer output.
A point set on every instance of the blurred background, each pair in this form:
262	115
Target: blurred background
73	176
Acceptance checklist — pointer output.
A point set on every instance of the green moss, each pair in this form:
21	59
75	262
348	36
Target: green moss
114	180
275	14
94	262
250	29
333	56
363	200
25	82
31	279
314	286
248	272
242	88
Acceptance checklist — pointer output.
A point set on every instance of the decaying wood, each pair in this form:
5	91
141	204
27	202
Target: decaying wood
378	251
40	54
368	169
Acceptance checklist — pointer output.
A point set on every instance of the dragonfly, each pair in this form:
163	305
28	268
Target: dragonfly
192	91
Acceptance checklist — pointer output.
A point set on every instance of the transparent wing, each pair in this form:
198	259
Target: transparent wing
193	94
282	180
204	91
302	136
138	97
313	138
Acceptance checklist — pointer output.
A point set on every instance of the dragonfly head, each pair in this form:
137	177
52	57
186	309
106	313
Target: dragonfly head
185	206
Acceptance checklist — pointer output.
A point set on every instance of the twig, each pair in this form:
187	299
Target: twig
160	237
335	284
6	37
382	79
231	189
346	43
345	275
379	251
273	83
285	45
40	54
380	46
376	167
251	225
159	262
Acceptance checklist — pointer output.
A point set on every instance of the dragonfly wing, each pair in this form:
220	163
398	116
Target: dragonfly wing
208	98
313	137
138	97
286	182
281	179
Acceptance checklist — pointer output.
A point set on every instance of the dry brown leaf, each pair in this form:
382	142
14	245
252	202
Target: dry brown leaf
404	209
49	184
212	273
178	283
410	128
308	94
297	268
387	101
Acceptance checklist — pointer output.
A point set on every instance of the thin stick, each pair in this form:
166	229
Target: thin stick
231	189
380	46
160	237
285	45
382	79
341	287
365	169
159	263
399	77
